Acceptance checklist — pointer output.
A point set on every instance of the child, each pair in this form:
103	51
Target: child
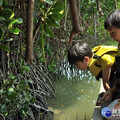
98	61
112	25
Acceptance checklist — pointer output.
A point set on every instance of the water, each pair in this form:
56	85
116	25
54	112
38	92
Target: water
75	97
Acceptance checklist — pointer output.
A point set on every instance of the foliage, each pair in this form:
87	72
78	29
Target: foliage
93	21
7	23
50	19
51	16
14	93
21	90
50	46
14	96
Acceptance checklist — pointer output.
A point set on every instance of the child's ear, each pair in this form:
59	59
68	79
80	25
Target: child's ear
86	58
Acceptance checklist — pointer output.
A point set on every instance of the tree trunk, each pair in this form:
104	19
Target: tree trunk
29	35
115	4
95	34
75	20
99	8
75	17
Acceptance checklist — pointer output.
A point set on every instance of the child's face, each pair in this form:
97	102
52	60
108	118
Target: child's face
115	33
82	65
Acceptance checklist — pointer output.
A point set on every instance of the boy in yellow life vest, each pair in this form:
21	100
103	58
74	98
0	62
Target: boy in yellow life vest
112	25
99	61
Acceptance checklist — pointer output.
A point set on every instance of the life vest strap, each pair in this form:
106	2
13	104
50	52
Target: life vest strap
96	57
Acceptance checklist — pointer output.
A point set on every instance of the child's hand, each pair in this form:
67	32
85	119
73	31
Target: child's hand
107	96
118	104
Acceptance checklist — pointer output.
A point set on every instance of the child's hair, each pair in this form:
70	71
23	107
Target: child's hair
113	20
78	51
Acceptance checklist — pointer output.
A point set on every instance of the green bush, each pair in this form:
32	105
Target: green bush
14	95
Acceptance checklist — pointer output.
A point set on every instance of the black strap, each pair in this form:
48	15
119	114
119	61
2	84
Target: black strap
117	59
96	57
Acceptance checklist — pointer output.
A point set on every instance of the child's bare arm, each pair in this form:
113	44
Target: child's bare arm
106	76
108	95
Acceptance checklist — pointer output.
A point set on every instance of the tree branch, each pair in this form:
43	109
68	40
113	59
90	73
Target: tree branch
36	28
75	20
99	8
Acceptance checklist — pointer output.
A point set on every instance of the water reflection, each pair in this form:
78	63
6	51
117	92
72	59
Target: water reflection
75	96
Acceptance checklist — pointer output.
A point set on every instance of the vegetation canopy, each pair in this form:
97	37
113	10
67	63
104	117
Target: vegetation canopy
34	39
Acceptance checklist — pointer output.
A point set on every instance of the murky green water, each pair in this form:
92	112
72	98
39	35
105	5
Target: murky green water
75	97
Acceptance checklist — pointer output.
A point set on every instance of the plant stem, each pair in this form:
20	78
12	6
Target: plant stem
42	43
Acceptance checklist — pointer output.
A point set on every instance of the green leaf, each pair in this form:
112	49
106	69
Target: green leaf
51	21
9	40
11	22
1	2
10	91
1	91
58	16
4	47
49	1
26	68
14	21
50	68
2	32
11	76
5	2
7	13
2	107
48	31
57	7
19	20
30	81
2	18
15	30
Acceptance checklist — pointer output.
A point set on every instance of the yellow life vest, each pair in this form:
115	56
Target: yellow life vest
98	52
